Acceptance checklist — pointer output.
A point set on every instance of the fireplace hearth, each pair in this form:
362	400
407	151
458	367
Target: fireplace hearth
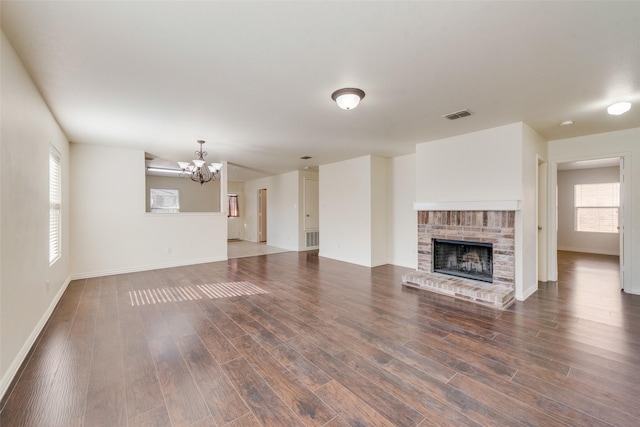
486	252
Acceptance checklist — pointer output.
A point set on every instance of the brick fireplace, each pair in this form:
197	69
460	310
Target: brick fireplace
495	228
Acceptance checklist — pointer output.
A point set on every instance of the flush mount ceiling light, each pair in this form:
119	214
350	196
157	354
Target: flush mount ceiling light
566	123
198	171
619	108
347	98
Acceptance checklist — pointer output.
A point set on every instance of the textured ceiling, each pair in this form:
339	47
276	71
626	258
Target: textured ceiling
254	79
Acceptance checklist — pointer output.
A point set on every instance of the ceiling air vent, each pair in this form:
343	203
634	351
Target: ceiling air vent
305	157
457	114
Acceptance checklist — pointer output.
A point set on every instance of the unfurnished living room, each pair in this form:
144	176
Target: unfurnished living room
319	213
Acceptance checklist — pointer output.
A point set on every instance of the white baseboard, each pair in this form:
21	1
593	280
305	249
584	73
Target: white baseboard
532	290
100	273
22	354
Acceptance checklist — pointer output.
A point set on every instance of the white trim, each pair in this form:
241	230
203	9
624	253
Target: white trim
164	215
24	351
625	206
532	290
475	205
101	273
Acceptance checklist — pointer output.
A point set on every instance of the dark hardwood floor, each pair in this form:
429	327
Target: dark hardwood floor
331	344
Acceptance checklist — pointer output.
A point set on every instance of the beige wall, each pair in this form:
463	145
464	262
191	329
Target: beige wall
568	238
111	233
193	196
354	211
29	287
625	144
489	165
403	220
282	210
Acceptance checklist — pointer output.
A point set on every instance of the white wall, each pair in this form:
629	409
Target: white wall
27	127
235	226
568	238
624	143
379	210
193	196
111	233
534	150
282	210
345	211
489	165
484	165
354	212
403	220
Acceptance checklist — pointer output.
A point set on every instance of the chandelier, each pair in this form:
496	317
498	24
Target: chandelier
198	170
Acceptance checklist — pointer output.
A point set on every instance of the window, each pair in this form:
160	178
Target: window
234	210
55	197
597	207
164	201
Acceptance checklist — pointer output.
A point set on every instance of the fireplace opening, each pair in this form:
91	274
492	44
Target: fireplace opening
471	260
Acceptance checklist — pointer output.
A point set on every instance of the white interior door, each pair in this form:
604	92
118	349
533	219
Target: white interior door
311	205
541	200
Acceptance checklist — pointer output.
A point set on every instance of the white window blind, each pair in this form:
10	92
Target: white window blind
597	207
55	199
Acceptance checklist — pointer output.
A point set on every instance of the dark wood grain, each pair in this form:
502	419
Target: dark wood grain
225	404
353	410
265	404
184	402
332	344
307	406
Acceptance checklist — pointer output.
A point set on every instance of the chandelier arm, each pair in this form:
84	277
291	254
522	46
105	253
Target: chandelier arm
200	174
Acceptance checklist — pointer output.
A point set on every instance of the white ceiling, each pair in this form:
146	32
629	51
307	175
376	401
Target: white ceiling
254	79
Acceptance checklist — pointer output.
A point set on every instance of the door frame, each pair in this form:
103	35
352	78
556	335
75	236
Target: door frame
625	224
262	215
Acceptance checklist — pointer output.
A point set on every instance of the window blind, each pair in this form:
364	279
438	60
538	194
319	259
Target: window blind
55	198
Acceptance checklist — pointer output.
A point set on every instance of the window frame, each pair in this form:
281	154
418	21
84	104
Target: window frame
577	206
55	205
233	206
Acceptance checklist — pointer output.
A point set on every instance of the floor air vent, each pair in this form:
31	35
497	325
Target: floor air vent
313	239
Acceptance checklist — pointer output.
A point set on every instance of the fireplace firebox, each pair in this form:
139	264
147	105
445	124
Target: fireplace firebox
471	260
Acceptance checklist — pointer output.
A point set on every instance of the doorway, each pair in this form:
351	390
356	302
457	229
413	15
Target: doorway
262	215
311	214
588	211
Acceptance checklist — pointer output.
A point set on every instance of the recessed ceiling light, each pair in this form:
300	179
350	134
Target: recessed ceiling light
566	123
619	108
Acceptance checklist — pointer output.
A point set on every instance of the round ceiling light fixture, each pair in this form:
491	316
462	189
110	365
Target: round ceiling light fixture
347	98
619	108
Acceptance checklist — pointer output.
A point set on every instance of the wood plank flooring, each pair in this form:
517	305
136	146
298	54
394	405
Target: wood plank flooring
333	344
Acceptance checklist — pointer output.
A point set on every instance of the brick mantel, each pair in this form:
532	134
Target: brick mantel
470	205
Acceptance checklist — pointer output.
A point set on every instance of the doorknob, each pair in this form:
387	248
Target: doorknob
539	228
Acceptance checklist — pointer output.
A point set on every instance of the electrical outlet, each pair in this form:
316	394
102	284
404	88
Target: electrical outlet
46	284
168	250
